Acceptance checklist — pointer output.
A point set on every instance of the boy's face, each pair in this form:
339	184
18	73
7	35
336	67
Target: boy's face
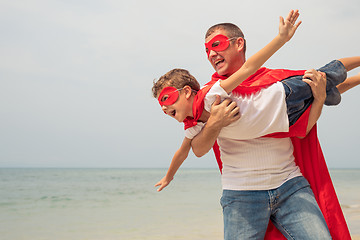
227	61
179	102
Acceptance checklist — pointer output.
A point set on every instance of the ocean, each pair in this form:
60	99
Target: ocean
114	204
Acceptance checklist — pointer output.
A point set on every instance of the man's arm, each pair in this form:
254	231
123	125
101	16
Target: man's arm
318	87
222	114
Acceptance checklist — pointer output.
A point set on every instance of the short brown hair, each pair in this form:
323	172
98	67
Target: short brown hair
177	78
232	31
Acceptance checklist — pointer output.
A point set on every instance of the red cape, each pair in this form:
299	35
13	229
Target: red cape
307	152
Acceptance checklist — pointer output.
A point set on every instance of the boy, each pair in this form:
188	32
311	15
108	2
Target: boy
276	116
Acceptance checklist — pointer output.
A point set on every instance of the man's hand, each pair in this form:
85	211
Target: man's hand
223	114
317	82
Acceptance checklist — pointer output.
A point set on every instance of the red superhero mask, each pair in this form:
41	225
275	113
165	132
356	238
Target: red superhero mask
168	96
218	43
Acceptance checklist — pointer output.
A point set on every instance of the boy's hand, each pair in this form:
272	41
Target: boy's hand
162	183
288	27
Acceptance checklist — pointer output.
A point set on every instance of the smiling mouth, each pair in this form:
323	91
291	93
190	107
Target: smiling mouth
218	61
173	113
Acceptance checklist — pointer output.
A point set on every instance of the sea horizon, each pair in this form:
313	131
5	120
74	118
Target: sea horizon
205	168
122	203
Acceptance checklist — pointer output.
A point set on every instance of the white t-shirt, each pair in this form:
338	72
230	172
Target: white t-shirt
256	164
252	162
262	113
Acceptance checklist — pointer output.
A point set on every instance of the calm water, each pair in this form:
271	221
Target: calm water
123	204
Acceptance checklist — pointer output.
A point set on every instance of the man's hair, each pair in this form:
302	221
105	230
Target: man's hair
232	31
177	78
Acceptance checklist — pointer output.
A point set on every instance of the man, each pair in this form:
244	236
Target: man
250	197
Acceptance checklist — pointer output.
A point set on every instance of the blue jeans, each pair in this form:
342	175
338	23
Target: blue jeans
292	208
299	95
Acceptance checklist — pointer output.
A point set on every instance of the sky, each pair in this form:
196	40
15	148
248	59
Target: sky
76	76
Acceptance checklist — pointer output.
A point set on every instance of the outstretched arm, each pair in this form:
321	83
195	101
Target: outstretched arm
287	29
179	157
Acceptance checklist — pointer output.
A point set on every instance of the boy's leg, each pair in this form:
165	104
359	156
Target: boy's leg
349	83
334	93
335	74
246	214
350	62
298	97
297	214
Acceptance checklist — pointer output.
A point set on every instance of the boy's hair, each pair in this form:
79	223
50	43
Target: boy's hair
177	78
231	30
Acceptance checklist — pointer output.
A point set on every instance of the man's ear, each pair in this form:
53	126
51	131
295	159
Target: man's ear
240	43
188	91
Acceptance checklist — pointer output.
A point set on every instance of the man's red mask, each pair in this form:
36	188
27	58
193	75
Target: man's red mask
218	43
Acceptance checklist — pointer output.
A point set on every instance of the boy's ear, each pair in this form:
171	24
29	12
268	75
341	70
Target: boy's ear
188	91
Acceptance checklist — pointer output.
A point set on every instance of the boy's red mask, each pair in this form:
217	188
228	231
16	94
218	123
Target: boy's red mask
218	43
168	96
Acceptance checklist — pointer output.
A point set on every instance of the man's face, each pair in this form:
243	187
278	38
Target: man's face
175	102
224	61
